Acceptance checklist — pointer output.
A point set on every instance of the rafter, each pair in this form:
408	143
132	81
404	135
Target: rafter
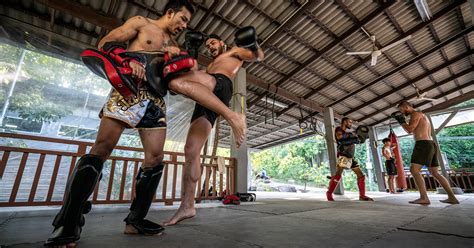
83	12
432	87
330	46
464	86
413	30
409	83
406	64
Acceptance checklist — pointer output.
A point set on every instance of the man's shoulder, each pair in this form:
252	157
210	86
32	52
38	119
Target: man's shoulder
140	20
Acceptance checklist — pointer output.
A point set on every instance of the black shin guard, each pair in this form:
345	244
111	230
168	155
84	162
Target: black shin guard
69	221
145	189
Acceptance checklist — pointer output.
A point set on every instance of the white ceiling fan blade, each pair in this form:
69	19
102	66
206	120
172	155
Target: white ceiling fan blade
423	94
395	43
374	60
358	53
430	99
415	99
365	31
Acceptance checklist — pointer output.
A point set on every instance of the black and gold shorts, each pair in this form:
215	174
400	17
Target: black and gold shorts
144	111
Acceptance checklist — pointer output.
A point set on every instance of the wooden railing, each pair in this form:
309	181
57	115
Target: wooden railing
36	175
462	178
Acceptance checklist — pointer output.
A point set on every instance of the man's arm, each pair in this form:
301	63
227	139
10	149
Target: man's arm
339	135
125	32
247	55
415	119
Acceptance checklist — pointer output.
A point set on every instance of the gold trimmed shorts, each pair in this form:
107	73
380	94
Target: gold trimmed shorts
144	111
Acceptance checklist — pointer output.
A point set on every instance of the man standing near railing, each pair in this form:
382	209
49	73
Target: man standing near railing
142	34
424	152
218	76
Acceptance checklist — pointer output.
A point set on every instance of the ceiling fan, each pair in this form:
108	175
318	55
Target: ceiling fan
421	97
375	50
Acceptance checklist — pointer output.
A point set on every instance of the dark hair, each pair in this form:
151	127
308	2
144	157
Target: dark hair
213	36
344	119
176	6
404	103
385	140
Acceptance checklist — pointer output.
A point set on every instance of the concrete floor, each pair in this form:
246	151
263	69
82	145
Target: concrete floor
275	220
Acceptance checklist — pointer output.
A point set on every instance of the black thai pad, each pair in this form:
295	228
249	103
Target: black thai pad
119	77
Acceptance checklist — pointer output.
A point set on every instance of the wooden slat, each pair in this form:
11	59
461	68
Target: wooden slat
19	175
165	182
71	166
227	176
136	166
124	177
199	189
34	186
53	178
214	178
111	180
173	189
39	151
3	163
206	182
234	175
73	142
221	183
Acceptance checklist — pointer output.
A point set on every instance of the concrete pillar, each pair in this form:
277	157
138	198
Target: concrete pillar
238	104
376	159
329	127
435	139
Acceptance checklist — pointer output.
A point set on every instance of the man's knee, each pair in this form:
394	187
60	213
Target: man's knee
414	169
153	159
433	170
179	86
102	148
191	152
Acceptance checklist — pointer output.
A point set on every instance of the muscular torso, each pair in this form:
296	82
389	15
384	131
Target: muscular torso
423	129
226	64
150	38
387	153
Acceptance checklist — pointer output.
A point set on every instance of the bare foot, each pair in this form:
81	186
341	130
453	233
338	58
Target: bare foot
129	229
450	201
239	127
420	201
180	215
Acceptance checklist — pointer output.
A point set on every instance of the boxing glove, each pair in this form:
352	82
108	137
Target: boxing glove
246	37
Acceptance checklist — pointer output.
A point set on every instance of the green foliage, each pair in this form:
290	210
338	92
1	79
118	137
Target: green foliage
303	161
31	105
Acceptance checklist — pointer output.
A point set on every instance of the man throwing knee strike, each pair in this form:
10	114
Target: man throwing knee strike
145	112
424	152
346	142
217	79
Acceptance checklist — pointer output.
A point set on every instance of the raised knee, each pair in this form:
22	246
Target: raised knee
178	86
